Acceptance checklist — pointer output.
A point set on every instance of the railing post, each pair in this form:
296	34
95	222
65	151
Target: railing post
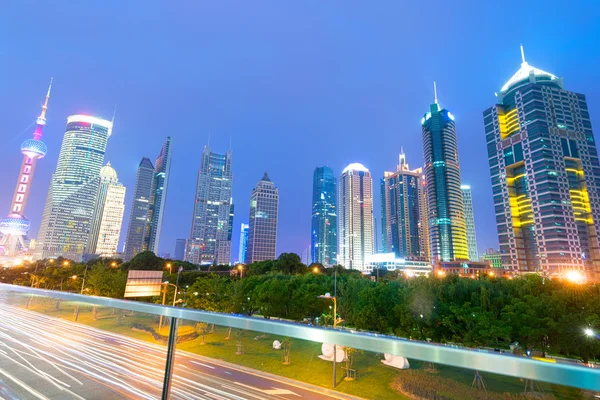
171	346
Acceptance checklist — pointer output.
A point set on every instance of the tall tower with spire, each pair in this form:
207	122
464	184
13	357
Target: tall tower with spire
545	175
447	230
15	226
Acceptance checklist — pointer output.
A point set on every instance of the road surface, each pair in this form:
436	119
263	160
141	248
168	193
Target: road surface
43	357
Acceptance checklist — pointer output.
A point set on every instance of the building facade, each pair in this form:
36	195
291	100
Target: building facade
15	225
355	217
262	231
212	220
494	257
108	214
67	219
447	231
470	223
404	212
324	217
138	218
243	243
545	175
179	249
160	183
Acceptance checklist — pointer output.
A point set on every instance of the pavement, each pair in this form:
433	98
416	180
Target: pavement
43	357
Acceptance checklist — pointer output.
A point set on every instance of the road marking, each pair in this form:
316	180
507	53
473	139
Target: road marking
204	365
272	391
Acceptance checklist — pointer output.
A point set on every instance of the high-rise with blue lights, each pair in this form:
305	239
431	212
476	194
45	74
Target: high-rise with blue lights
404	212
67	219
545	175
447	231
212	219
324	217
243	243
15	226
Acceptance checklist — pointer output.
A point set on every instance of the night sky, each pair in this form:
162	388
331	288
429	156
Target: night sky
292	84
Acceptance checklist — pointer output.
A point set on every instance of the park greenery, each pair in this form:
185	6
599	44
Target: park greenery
541	315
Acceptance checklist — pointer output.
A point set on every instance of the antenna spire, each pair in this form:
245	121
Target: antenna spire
435	93
45	106
523	55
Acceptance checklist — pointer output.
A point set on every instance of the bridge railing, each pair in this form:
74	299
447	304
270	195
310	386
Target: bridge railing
172	333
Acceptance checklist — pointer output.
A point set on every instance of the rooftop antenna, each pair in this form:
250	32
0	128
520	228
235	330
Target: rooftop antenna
435	92
230	141
114	113
523	54
208	144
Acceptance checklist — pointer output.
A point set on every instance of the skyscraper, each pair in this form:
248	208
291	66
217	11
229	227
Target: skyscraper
324	217
470	223
108	214
243	243
262	234
180	249
447	232
355	216
404	212
162	170
545	175
212	220
67	219
138	218
15	226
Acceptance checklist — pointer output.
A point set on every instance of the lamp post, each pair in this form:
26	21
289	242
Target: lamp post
334	298
240	268
166	283
81	291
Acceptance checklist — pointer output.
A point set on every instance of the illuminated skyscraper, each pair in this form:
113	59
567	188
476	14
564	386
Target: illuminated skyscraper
15	226
324	217
243	243
162	170
470	223
404	212
545	175
212	220
67	221
262	234
108	214
355	217
138	218
447	231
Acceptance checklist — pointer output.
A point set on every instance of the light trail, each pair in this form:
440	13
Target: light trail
48	358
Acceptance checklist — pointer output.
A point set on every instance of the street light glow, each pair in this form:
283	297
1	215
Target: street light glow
589	332
575	276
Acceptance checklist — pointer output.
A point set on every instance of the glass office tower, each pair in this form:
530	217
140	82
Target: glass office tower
262	234
162	171
212	220
324	217
447	232
243	243
138	218
470	223
404	212
545	175
67	219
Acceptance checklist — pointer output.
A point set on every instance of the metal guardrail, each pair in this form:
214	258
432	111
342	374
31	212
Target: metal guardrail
503	364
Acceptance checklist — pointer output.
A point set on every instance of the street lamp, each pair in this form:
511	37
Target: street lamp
589	332
316	270
113	264
335	321
170	269
240	268
166	283
66	263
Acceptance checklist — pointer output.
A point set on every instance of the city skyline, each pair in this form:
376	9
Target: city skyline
389	120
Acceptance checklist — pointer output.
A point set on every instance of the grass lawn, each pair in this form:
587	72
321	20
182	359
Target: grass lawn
373	378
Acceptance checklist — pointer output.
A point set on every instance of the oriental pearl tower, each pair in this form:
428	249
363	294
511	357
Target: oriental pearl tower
15	226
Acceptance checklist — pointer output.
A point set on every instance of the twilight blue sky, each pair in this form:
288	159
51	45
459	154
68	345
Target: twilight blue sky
293	84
